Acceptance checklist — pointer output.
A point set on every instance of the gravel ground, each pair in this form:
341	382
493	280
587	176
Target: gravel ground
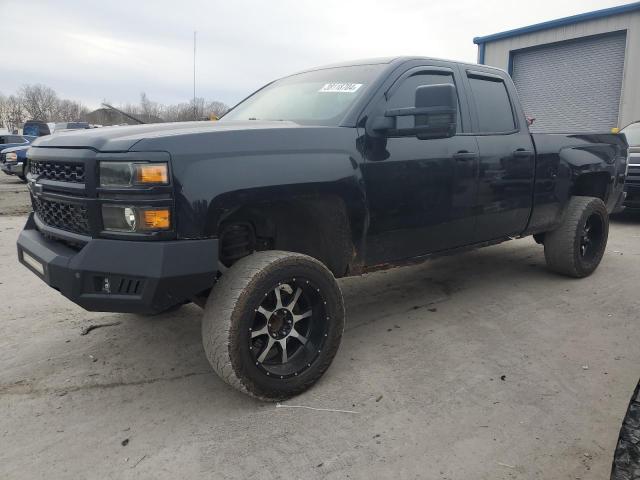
478	366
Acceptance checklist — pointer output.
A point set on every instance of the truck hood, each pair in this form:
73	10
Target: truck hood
122	139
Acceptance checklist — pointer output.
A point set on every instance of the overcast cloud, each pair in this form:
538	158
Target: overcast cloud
114	49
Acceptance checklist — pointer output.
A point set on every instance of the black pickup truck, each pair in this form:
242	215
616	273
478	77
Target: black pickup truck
331	172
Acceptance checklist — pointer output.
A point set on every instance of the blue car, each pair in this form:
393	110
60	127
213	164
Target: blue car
13	160
9	140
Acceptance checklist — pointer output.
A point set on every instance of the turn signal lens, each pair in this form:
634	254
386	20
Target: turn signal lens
156	219
155	173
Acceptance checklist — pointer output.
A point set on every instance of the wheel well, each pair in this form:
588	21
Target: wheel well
317	226
594	184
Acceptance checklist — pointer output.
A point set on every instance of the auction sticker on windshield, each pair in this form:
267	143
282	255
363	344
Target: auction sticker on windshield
340	88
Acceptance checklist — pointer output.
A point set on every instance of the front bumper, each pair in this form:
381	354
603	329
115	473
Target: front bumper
121	276
12	168
633	196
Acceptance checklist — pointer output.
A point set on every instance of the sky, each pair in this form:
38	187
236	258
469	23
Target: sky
113	50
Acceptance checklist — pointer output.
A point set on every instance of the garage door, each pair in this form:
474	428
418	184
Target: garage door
572	86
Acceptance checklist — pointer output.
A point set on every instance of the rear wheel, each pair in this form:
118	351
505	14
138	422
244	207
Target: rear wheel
576	247
273	324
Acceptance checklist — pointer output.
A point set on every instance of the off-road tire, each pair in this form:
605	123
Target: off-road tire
626	460
562	247
231	309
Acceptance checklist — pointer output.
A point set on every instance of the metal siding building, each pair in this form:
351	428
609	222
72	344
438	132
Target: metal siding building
580	73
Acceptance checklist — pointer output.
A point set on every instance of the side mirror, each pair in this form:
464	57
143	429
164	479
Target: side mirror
434	115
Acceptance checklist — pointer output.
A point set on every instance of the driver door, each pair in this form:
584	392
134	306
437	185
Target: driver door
421	193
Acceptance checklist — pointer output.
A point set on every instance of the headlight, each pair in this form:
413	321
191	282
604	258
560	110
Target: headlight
130	174
11	157
118	218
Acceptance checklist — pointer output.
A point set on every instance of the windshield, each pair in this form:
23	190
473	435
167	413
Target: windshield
320	97
632	132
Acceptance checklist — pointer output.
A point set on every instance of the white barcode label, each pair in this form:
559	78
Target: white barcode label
340	87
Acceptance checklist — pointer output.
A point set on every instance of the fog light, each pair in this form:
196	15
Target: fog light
132	219
106	285
119	219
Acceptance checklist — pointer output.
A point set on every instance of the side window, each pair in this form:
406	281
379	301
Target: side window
3	140
405	95
492	103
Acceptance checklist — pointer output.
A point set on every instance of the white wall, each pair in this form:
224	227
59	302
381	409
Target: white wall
497	53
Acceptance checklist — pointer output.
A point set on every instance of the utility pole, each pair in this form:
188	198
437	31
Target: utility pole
195	110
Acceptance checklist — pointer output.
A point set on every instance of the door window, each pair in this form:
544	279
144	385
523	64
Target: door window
405	95
493	106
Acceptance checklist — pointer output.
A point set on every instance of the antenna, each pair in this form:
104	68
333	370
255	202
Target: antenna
195	111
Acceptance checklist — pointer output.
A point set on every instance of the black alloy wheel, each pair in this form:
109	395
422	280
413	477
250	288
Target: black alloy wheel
273	323
576	247
289	328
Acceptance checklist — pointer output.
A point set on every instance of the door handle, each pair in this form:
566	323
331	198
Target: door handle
521	152
464	155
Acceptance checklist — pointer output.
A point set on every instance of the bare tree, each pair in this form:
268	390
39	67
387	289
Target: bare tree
150	109
179	112
40	102
14	112
69	111
3	108
216	108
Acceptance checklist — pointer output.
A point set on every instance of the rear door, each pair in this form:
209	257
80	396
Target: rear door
421	193
507	157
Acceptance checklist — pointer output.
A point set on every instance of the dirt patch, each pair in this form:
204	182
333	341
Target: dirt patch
14	197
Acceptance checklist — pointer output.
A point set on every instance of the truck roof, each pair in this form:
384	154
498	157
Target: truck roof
394	61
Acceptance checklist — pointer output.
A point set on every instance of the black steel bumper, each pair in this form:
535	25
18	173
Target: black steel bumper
633	196
121	276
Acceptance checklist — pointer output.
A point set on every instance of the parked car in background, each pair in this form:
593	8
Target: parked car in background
71	126
8	141
37	128
632	183
13	161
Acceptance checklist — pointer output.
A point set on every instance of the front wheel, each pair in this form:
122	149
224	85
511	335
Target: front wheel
576	247
273	324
